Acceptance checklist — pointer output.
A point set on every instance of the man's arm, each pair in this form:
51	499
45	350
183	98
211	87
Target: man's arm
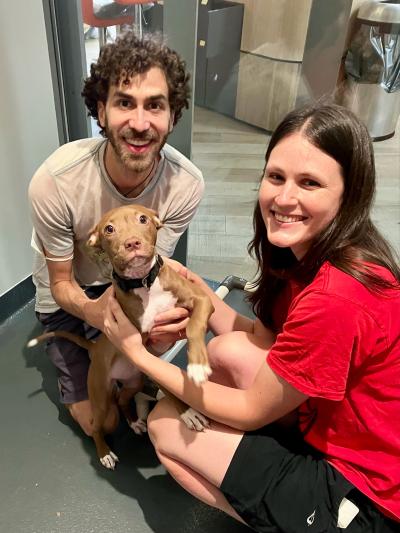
69	295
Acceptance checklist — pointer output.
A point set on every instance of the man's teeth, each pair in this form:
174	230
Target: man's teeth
286	218
137	143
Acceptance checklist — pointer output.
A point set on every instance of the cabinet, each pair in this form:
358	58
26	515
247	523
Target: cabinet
290	53
219	33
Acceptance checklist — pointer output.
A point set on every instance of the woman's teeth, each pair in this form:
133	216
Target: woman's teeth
287	218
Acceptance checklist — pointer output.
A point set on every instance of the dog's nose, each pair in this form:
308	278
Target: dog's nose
133	244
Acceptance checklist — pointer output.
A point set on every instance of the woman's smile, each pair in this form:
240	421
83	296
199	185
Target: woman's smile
300	193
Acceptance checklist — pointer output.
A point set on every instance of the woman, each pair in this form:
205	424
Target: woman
328	289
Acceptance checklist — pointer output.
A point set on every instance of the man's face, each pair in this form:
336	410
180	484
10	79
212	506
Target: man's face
137	119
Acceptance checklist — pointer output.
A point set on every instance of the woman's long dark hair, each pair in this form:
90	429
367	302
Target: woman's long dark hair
351	240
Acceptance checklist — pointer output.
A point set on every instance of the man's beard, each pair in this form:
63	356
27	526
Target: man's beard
135	162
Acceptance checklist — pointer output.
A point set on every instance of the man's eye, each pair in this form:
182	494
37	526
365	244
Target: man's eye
125	104
109	229
154	106
143	219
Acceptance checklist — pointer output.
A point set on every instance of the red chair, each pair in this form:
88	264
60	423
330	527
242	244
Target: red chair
138	12
89	17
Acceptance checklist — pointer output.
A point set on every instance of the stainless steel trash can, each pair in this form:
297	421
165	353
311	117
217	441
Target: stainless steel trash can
372	68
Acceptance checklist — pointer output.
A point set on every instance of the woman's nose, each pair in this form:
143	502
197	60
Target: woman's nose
287	195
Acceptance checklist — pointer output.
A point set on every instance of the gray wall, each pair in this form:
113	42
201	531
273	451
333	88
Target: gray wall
28	128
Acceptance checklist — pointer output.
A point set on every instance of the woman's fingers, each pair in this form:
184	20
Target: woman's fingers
172	327
174	314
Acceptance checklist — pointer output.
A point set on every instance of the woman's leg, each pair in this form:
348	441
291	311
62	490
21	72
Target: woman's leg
236	357
187	457
199	461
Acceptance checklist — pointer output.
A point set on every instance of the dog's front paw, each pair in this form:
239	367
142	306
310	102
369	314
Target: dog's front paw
195	420
139	426
198	373
109	460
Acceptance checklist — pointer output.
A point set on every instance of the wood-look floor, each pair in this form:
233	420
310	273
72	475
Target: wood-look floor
231	155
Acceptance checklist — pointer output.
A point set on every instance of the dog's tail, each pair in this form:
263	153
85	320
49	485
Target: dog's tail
77	339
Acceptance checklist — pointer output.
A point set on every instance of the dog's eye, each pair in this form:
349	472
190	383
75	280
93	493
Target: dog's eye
109	229
143	219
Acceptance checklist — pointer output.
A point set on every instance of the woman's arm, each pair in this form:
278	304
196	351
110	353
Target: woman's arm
268	399
223	320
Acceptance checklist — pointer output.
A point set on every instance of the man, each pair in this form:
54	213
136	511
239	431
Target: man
136	91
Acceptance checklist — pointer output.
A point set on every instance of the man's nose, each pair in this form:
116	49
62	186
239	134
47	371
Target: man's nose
139	120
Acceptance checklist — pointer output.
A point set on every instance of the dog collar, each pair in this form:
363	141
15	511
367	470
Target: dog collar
136	283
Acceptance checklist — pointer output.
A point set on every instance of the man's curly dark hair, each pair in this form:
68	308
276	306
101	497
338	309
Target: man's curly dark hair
129	56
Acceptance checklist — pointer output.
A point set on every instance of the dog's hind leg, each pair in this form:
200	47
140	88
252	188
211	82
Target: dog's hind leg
105	413
142	410
106	456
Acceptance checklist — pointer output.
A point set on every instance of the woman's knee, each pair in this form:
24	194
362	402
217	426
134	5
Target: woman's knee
221	350
235	358
160	422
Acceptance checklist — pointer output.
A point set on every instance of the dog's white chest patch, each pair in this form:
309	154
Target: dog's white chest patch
155	301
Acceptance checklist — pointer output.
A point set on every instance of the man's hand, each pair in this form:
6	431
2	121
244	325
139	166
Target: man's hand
94	309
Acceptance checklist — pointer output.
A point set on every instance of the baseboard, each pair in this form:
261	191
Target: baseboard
16	298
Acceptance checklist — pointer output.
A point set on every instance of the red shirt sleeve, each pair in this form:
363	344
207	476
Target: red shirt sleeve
318	341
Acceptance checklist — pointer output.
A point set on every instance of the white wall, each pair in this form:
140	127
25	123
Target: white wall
28	128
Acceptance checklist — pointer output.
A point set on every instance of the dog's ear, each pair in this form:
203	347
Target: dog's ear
96	253
157	221
155	218
93	246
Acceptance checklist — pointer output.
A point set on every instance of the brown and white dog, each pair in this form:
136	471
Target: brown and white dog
144	286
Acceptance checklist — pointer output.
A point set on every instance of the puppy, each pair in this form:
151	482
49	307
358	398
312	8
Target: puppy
145	286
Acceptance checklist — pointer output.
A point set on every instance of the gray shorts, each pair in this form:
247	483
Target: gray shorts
70	360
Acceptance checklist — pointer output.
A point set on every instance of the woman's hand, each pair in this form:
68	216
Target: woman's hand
120	330
169	326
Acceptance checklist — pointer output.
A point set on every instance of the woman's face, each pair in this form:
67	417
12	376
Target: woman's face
300	193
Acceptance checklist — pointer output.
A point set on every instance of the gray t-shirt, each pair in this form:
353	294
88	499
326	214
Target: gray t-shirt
71	191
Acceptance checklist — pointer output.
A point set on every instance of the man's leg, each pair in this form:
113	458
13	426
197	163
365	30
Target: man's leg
72	364
72	361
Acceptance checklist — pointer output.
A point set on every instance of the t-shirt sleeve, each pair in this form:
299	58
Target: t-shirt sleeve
314	351
179	218
50	216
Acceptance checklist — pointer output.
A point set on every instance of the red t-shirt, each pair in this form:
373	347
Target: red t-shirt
340	345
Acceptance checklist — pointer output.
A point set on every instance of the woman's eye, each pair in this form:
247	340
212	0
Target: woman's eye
109	229
311	183
143	219
275	177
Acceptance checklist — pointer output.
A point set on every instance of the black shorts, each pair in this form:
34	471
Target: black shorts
70	360
279	484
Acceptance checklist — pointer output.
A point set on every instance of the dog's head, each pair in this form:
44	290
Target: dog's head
126	237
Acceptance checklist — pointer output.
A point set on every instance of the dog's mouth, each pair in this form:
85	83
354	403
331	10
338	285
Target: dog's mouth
133	265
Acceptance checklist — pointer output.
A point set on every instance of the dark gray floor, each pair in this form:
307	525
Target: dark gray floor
51	481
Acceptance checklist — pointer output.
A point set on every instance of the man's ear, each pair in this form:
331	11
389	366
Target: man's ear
171	122
101	113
